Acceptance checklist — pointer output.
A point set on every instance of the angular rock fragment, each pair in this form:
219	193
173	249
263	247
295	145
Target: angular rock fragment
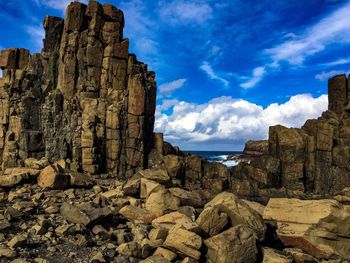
85	214
315	226
237	244
227	205
137	214
183	242
272	256
167	221
162	200
53	176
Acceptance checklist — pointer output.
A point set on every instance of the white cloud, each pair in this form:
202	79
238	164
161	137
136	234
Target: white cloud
207	68
337	62
57	4
258	74
169	87
234	121
167	104
183	12
325	75
36	34
333	29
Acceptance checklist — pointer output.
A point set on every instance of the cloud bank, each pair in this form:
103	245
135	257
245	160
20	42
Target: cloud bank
230	122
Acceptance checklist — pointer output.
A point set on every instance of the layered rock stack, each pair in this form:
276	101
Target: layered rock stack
314	159
84	98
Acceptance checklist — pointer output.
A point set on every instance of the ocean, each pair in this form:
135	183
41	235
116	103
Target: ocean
217	156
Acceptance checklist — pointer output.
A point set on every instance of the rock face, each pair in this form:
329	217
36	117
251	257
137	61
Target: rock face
319	227
312	159
84	98
256	148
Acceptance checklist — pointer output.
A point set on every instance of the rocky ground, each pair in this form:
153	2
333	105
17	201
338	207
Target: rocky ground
49	214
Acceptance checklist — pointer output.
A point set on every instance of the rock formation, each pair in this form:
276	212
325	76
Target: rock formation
84	98
85	179
313	159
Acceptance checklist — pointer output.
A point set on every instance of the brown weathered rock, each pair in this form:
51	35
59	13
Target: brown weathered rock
165	253
155	259
316	226
183	242
85	214
212	221
147	187
135	214
273	256
237	244
337	92
161	200
84	98
228	205
53	176
299	256
187	198
158	175
175	218
13	179
256	148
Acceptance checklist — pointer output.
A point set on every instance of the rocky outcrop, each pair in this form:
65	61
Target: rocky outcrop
85	106
318	227
256	148
84	98
313	159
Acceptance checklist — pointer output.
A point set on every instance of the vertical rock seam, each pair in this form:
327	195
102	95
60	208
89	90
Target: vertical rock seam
84	98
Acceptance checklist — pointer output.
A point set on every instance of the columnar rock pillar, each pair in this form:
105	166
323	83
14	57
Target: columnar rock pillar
84	98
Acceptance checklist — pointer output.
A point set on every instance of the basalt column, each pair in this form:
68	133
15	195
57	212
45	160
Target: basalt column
84	98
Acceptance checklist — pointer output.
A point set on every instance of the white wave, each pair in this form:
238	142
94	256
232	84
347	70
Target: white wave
231	163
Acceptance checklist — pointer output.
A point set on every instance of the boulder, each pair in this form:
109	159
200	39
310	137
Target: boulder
81	180
175	218
54	176
174	165
155	259
165	253
13	179
156	174
36	164
187	198
183	242
147	187
273	256
161	200
237	244
212	221
132	186
316	226
137	214
236	210
257	207
299	256
84	214
32	172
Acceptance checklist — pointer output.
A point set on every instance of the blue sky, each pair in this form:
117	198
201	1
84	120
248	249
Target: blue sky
226	70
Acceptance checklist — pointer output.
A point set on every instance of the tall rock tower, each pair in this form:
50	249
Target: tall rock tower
84	98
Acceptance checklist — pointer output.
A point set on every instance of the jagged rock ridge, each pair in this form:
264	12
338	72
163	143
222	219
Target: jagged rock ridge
313	159
84	98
